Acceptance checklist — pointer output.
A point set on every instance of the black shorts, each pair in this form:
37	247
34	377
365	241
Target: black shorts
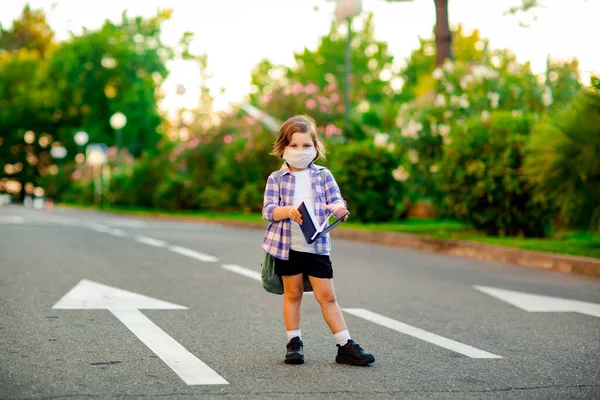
310	264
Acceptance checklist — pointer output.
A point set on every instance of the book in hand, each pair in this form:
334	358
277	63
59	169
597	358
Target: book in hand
311	228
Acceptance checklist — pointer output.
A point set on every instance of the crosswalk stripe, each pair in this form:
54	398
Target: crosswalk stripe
418	333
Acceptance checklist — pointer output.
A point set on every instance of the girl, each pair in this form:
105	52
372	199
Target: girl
299	180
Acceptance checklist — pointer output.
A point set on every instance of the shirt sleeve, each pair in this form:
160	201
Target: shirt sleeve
271	198
332	190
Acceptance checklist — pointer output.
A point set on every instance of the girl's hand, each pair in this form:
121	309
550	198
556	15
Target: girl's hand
294	214
338	209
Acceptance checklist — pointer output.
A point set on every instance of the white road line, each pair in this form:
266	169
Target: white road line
420	333
99	228
243	271
193	254
117	232
11	219
150	241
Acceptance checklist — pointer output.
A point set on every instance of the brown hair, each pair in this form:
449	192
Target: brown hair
298	123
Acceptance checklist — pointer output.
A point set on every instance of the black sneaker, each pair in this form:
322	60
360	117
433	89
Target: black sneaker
295	353
351	353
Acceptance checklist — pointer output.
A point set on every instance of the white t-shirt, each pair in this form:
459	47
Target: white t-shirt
302	193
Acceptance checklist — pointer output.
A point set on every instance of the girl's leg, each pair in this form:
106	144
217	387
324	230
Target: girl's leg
325	295
293	288
349	352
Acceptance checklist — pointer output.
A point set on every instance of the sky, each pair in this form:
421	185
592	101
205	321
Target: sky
237	34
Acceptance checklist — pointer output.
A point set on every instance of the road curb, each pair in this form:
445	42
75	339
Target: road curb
525	258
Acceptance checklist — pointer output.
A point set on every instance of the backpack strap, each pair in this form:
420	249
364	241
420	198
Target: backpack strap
322	171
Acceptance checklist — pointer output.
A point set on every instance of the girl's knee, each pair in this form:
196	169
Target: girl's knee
325	297
293	293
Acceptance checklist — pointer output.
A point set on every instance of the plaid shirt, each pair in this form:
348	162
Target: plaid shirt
278	236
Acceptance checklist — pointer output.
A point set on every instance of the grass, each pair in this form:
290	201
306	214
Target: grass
585	244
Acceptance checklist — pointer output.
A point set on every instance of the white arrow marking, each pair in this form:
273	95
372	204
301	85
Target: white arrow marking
420	333
538	303
193	254
125	306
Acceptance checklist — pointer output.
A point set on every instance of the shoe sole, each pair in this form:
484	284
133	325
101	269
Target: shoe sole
294	360
352	361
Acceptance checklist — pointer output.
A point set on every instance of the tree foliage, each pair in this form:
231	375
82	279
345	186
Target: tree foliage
374	80
49	91
563	158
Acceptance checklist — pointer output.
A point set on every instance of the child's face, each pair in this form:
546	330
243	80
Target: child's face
301	141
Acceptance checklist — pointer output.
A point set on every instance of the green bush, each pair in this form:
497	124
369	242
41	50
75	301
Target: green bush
217	198
563	159
481	175
175	192
58	184
364	175
79	191
134	184
251	197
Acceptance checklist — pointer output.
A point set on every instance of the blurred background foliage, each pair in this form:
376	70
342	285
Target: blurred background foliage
477	138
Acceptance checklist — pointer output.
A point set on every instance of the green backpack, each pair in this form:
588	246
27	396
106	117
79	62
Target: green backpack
272	282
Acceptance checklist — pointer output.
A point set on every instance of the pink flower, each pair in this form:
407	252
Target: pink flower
76	175
335	98
228	139
311	88
324	109
331	87
332	130
297	89
340	108
311	104
267	97
111	151
192	144
323	100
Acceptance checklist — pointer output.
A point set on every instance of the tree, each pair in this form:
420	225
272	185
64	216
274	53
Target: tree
419	66
118	67
30	31
562	158
371	61
443	35
26	127
375	83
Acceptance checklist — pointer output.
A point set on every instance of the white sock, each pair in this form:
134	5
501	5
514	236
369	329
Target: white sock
342	337
293	334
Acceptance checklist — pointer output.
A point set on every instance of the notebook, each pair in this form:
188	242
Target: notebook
311	228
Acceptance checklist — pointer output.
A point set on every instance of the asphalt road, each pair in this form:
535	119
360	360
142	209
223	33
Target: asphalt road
96	305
